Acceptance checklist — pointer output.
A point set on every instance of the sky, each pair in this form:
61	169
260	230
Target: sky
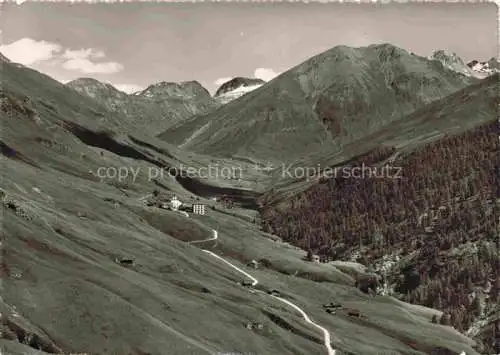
133	45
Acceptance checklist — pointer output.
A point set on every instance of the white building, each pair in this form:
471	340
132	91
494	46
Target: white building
175	203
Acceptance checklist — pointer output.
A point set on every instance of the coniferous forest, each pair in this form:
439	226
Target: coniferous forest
440	216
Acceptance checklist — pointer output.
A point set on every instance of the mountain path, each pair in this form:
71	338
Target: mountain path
326	333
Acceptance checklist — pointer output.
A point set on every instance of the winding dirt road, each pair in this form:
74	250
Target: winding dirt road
215	236
326	333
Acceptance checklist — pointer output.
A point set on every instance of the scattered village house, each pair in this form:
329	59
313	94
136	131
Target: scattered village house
312	257
254	325
254	264
227	201
126	261
175	203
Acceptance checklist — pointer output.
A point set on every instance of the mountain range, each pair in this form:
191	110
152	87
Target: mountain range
338	96
155	108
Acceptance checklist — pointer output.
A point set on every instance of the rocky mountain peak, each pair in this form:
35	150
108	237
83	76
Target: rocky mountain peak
94	88
185	89
484	69
443	55
451	61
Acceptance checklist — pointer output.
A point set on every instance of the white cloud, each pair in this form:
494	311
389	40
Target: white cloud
221	81
82	60
86	66
265	74
28	51
83	53
128	88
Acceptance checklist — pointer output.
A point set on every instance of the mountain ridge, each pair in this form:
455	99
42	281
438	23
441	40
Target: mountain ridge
333	97
156	107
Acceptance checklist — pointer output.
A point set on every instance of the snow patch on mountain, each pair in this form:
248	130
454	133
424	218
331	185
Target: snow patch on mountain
484	69
236	88
233	95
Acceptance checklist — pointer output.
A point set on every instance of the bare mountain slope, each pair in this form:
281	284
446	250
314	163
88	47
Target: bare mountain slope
331	99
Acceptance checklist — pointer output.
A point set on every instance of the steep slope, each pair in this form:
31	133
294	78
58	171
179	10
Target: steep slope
87	268
53	99
154	109
331	99
235	88
453	114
